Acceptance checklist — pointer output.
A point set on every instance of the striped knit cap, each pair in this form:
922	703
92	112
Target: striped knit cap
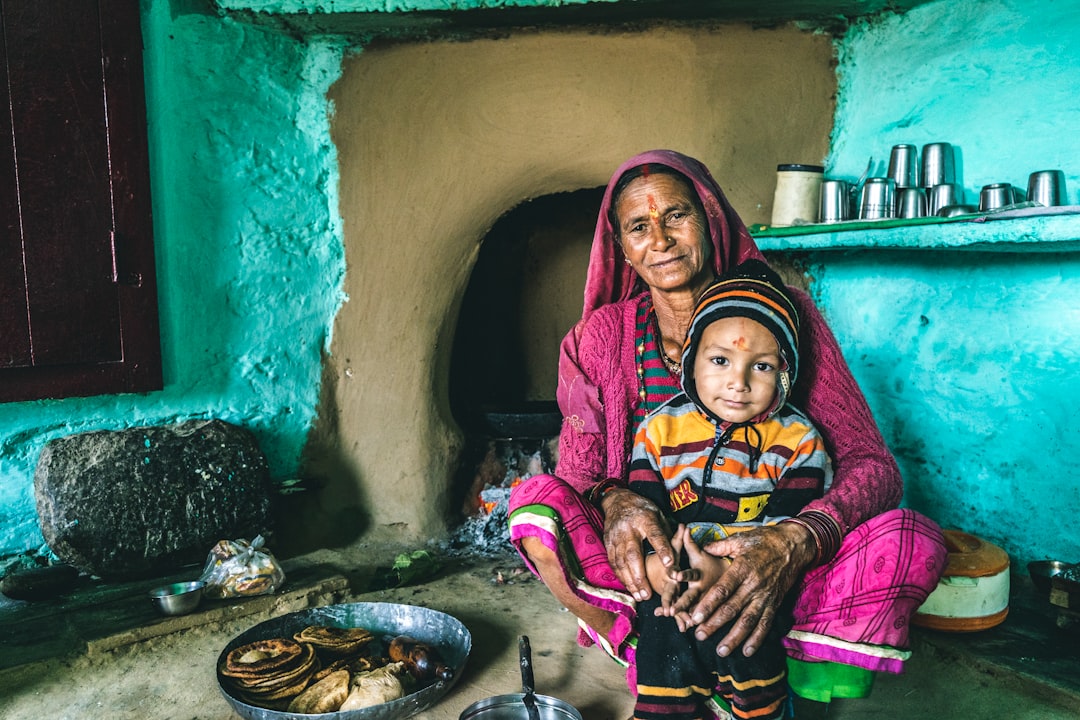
751	290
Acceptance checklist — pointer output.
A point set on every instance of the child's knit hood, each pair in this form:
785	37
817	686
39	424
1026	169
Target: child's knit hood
751	290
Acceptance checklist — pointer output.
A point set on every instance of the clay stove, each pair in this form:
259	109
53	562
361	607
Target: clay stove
436	142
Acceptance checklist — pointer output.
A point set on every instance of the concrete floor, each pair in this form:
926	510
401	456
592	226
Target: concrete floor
172	673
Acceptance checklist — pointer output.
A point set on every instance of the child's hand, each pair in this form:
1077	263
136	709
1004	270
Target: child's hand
670	586
705	570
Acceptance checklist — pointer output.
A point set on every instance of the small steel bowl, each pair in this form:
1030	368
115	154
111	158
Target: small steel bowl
178	598
1042	571
957	210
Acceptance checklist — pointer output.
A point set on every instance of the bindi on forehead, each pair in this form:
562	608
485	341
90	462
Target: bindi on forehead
739	343
654	213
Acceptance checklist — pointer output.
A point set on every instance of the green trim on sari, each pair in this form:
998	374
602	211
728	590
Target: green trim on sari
823	681
566	548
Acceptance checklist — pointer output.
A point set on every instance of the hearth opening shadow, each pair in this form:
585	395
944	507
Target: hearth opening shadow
524	294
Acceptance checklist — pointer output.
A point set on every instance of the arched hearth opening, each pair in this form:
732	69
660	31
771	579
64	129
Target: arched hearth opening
523	295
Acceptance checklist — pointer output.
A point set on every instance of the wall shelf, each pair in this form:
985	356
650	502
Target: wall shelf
404	19
1023	230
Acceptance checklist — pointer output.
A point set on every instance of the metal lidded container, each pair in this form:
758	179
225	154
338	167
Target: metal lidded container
798	194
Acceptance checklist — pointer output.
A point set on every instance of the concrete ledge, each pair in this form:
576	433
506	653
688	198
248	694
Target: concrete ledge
328	591
1028	650
96	619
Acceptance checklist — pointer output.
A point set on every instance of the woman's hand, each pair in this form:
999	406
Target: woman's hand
630	520
766	562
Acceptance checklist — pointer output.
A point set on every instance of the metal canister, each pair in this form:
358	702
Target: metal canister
798	194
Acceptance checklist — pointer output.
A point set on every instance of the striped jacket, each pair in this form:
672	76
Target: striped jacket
735	476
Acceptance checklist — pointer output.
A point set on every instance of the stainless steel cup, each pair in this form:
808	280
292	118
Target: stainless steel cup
876	200
911	203
904	166
943	195
835	201
938	164
1047	187
996	196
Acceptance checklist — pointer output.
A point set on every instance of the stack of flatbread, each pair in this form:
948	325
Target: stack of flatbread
335	642
319	670
267	672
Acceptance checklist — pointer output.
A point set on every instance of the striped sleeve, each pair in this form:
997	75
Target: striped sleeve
806	473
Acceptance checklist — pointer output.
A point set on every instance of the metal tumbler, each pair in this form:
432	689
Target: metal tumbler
938	164
904	166
996	196
876	200
1047	187
911	203
944	195
835	201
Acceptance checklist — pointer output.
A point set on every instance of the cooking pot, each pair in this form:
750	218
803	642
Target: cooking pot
526	705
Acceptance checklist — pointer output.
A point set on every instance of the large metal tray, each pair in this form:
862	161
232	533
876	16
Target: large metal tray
444	632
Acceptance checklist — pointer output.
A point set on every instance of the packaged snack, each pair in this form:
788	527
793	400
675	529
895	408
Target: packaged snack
237	568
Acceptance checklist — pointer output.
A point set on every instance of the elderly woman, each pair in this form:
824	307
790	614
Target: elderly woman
855	567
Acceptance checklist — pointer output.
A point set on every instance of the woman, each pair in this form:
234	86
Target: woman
664	232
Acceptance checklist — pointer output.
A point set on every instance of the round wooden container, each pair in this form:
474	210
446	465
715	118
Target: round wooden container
973	593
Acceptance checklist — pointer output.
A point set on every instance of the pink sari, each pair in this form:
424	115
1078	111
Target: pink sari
853	610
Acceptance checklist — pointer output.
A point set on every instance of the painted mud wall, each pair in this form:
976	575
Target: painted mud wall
249	256
968	353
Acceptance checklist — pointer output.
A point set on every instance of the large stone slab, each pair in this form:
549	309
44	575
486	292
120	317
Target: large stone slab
131	503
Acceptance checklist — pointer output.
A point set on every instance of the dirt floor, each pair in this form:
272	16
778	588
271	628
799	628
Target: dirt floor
172	674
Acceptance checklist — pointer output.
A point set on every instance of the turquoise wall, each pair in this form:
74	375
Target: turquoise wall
248	241
968	355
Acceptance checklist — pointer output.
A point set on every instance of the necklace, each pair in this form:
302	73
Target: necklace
673	366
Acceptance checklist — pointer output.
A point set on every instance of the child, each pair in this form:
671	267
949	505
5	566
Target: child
725	455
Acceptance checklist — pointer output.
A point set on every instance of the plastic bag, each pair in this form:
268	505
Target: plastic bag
237	568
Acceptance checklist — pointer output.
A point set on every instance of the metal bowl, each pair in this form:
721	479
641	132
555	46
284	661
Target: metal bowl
1042	571
512	707
957	210
444	632
178	598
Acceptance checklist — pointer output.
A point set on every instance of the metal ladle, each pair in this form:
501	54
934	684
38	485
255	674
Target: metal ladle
527	681
525	705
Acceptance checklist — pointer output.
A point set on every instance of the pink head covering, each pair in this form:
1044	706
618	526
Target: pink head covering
610	279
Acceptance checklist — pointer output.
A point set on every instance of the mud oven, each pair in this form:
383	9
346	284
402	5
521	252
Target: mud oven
470	176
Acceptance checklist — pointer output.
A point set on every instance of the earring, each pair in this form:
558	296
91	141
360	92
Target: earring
626	260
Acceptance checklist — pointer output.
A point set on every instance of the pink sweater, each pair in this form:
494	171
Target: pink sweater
598	406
